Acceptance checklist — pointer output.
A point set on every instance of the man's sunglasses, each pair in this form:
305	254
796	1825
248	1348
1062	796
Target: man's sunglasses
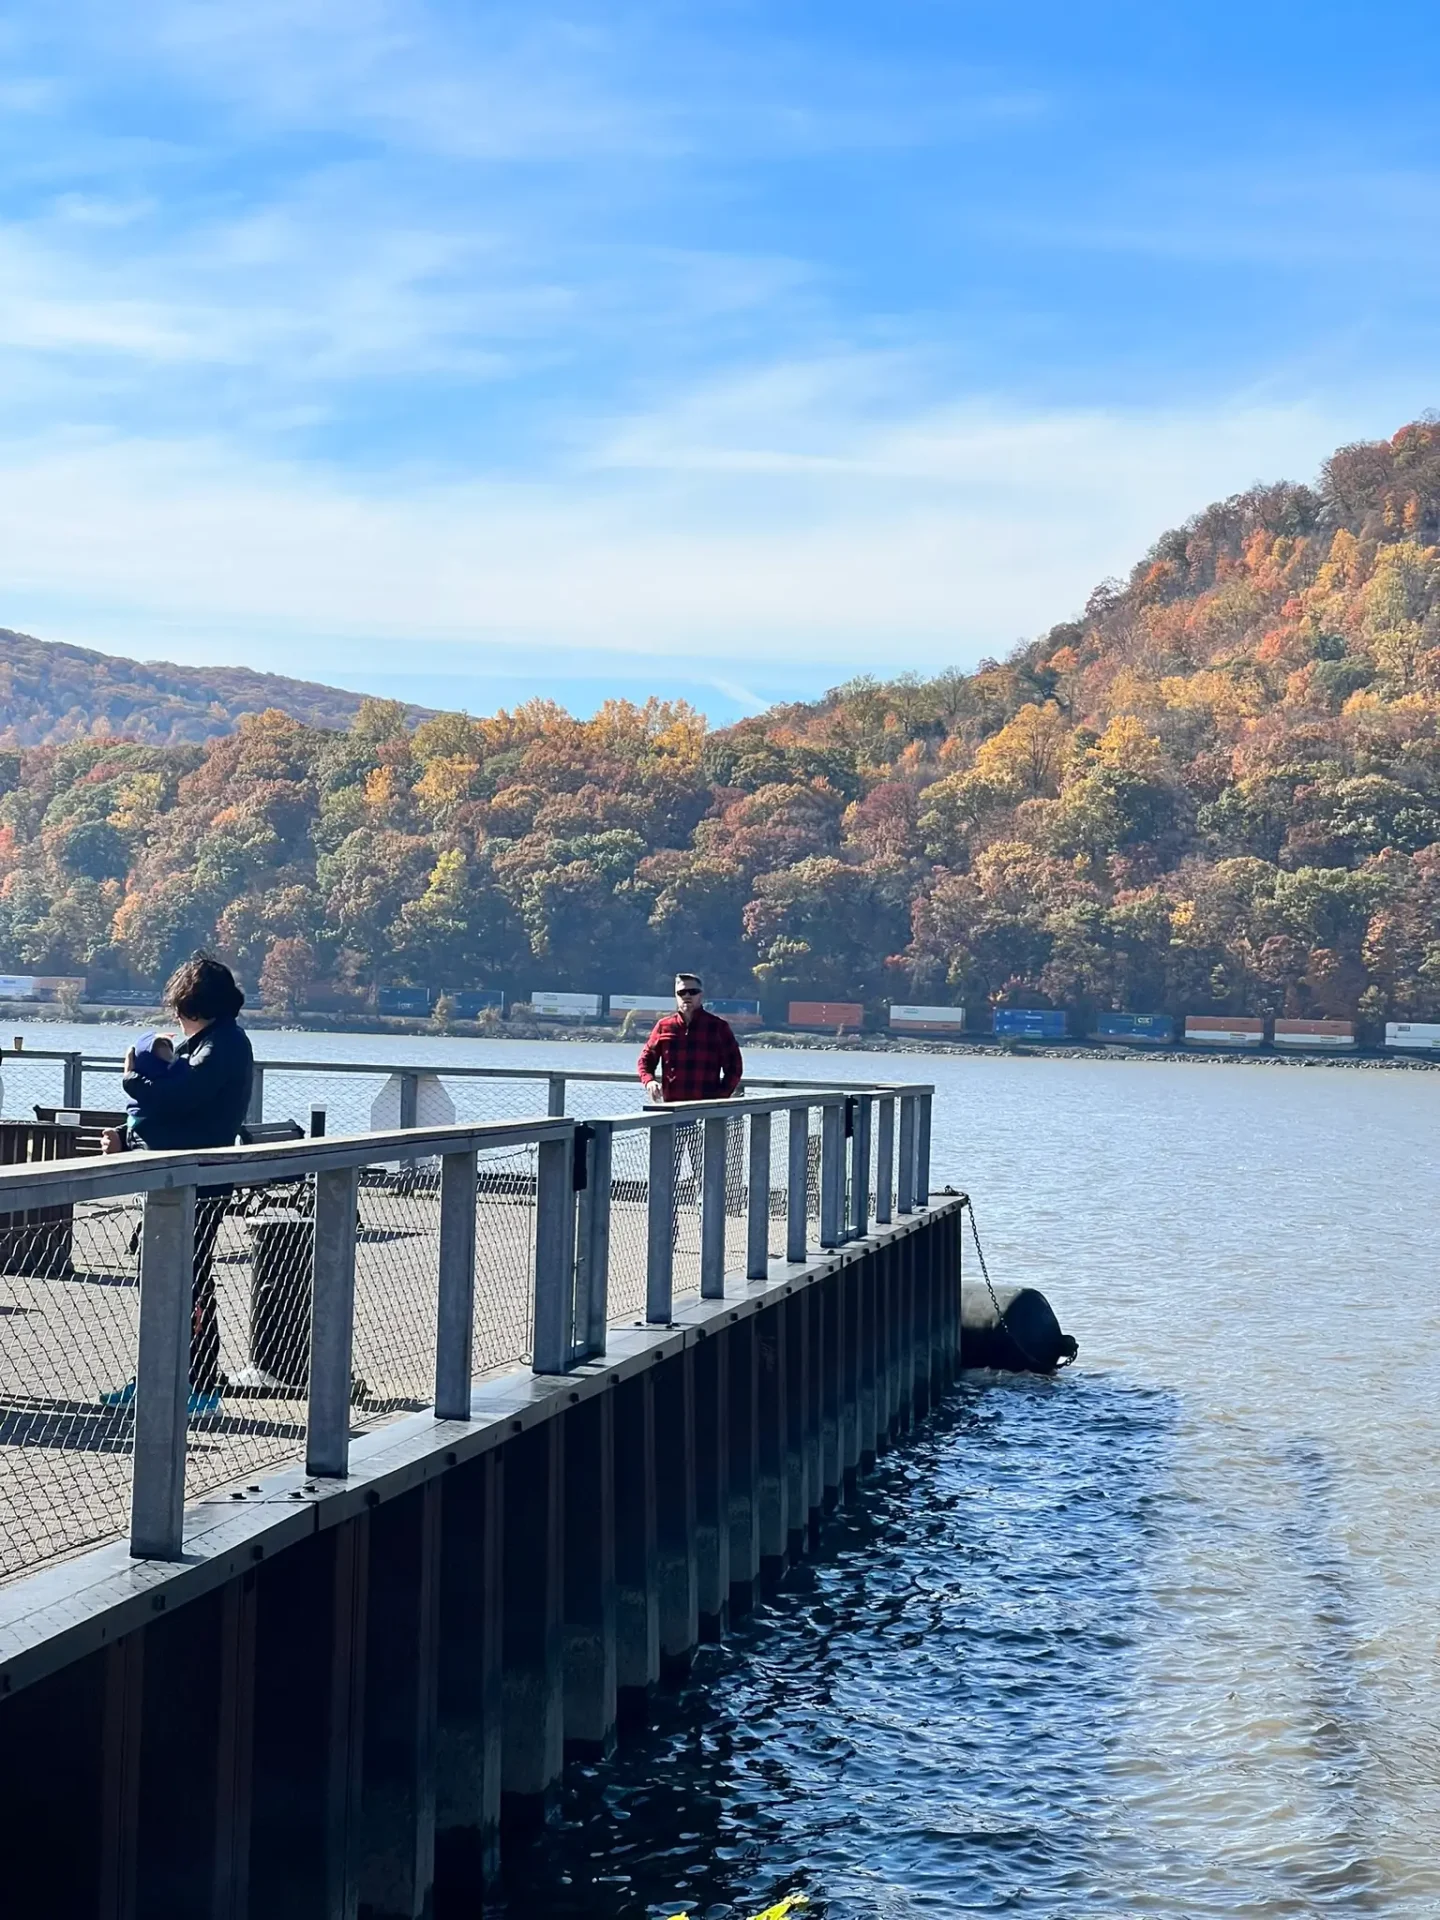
687	993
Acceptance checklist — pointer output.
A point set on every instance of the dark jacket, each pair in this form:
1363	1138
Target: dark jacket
205	1107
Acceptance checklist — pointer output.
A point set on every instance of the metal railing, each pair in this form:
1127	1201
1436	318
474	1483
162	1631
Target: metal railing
353	1095
173	1323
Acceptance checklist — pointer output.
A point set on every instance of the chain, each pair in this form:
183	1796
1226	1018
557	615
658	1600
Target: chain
967	1206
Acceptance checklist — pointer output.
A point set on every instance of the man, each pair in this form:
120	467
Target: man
697	1055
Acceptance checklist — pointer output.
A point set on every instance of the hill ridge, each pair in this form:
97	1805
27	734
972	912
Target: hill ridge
52	691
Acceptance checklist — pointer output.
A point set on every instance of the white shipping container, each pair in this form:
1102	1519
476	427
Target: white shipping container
951	1017
1327	1040
565	1006
641	1003
1412	1033
18	986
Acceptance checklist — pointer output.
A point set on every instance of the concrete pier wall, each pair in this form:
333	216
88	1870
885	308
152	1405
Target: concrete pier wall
342	1696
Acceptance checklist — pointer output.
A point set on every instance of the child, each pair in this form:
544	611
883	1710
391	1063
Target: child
153	1059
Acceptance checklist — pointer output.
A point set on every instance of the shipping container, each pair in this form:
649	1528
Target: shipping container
830	1015
565	1006
411	1001
1419	1035
1314	1033
1223	1030
1157	1028
740	1013
1031	1023
927	1019
470	1002
654	1004
18	986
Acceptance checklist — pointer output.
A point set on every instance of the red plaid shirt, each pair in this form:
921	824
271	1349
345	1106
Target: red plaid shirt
698	1062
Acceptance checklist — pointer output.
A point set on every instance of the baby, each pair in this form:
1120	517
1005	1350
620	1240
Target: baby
154	1058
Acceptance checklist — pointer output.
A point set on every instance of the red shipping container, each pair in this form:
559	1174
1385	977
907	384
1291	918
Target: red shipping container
829	1014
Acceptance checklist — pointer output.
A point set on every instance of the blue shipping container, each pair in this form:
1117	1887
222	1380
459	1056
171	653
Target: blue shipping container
409	1000
1135	1026
1031	1023
735	1009
470	1002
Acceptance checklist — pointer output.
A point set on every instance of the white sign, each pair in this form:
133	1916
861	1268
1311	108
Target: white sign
927	1016
1411	1033
433	1105
640	1003
565	1006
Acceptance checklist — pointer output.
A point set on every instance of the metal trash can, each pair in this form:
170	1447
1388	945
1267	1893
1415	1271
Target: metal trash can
282	1265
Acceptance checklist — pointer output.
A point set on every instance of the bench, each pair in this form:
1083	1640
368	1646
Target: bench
85	1125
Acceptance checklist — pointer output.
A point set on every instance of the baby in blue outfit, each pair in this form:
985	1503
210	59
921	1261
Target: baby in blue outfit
155	1058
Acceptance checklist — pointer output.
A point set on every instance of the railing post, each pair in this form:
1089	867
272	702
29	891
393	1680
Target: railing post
332	1320
905	1184
712	1210
555	1255
255	1112
797	1195
860	1167
922	1151
162	1373
74	1083
455	1305
884	1161
660	1229
757	1225
555	1095
409	1099
592	1253
832	1172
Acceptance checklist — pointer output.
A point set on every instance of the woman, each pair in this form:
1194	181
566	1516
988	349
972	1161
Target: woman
206	1106
202	1107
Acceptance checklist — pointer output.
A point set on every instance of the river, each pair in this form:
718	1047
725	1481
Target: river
1157	1637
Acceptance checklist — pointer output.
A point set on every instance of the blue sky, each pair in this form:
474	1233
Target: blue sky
466	352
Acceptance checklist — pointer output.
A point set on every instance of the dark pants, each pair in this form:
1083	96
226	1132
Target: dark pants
210	1204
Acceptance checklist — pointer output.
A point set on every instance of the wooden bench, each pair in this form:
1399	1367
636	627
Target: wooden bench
85	1125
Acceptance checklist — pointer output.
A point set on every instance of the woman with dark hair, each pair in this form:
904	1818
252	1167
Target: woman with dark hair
203	1106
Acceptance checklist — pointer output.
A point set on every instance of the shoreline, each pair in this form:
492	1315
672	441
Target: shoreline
982	1046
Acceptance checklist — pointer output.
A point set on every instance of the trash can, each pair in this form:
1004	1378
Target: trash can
282	1265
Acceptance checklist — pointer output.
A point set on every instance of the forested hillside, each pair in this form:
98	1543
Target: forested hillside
1218	790
50	692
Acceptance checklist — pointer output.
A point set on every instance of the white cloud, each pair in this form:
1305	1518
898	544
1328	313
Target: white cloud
934	539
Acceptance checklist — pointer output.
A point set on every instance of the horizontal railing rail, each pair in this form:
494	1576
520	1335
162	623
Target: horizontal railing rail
345	1278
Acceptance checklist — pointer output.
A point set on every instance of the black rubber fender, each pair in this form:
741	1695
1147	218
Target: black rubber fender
1024	1336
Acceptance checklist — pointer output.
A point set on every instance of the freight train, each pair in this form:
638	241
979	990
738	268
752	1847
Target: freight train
1235	1032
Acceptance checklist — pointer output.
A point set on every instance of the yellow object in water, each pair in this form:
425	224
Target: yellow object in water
777	1912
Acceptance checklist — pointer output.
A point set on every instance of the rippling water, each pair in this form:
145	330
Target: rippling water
1157	1637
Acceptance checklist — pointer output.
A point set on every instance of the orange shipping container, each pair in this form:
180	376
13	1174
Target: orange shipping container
829	1014
1314	1033
1224	1030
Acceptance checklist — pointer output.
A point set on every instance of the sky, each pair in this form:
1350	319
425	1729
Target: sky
466	352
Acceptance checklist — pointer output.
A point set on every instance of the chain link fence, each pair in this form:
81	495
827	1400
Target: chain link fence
70	1272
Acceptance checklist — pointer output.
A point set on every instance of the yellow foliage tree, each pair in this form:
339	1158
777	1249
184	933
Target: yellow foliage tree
1029	751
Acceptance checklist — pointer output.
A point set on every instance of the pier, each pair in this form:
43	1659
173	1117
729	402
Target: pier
531	1406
